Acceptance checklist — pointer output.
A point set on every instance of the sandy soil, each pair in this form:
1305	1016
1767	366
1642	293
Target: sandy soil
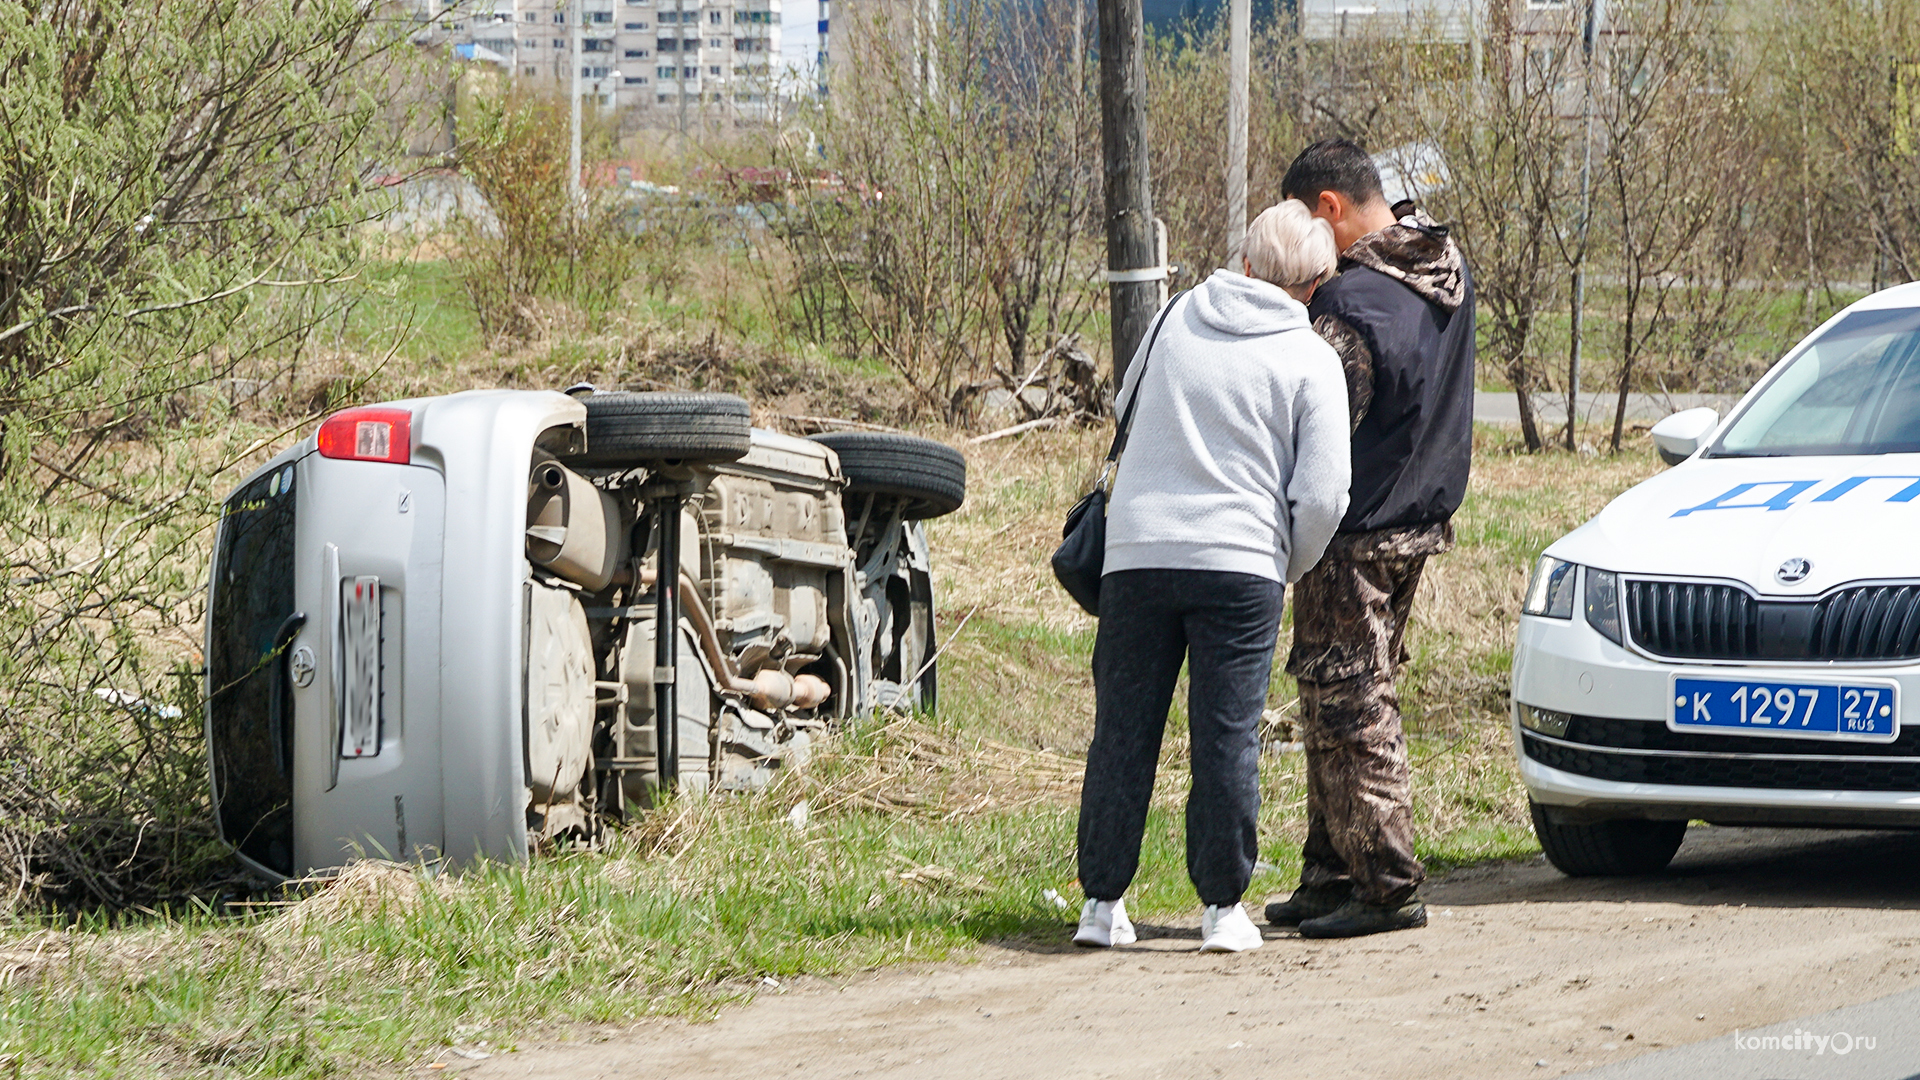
1522	973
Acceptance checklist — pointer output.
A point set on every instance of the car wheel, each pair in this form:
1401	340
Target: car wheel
930	476
1619	848
634	428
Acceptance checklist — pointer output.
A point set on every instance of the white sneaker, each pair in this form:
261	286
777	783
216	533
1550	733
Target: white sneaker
1228	930
1104	923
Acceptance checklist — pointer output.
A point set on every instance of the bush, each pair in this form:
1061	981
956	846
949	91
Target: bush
179	196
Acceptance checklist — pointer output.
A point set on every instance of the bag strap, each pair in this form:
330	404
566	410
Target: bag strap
1125	426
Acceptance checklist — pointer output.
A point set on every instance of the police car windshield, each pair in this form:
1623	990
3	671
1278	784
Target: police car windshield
1853	390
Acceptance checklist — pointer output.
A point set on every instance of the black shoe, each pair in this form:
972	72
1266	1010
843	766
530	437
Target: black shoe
1357	918
1309	902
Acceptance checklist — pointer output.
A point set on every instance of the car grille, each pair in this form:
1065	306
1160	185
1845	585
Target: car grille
1606	751
1702	621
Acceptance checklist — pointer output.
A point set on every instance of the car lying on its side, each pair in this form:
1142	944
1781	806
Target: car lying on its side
433	626
1734	640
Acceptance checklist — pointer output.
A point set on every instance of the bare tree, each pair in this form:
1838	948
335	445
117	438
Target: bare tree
1510	165
947	227
1668	116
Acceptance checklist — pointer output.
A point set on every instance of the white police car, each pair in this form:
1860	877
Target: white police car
1737	640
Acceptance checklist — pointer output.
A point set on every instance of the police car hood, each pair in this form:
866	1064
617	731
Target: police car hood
1851	518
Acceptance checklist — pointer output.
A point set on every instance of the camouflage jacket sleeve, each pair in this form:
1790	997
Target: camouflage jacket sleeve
1354	357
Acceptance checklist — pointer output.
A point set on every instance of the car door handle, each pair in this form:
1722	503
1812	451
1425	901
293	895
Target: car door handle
277	718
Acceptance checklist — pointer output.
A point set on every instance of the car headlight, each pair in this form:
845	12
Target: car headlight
1550	593
1603	603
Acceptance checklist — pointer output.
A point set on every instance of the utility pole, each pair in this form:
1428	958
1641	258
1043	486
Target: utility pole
1239	45
573	138
1134	268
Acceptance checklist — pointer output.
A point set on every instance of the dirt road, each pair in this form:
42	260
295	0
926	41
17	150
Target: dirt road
1522	973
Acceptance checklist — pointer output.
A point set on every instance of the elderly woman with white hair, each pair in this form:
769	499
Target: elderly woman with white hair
1234	478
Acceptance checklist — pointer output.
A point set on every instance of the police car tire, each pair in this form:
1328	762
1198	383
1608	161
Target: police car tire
931	476
626	428
1619	848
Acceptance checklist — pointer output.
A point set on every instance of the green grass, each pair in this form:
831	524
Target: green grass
418	309
1774	321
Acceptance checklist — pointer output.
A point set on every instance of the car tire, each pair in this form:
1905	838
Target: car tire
930	476
1624	847
640	428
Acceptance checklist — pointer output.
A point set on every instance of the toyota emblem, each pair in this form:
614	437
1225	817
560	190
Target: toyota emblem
302	666
1793	571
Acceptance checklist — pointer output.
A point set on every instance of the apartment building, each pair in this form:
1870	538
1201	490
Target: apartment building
653	62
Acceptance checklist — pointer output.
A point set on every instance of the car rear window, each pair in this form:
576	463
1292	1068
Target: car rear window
1853	390
249	601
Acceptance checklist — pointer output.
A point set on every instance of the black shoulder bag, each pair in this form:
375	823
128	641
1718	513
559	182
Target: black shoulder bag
1082	553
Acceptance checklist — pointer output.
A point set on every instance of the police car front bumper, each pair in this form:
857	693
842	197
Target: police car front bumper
1590	731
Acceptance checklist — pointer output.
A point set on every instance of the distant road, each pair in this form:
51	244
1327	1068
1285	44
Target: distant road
1501	407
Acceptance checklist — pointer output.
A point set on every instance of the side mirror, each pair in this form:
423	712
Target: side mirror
1679	436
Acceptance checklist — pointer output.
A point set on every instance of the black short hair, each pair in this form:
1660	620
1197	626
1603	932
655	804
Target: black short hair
1337	165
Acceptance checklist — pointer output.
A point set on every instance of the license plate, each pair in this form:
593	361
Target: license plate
1855	709
360	667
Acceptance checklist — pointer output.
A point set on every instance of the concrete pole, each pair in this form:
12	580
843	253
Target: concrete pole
1239	44
1135	273
1475	62
574	15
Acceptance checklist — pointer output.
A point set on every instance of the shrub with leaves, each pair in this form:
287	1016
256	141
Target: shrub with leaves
181	187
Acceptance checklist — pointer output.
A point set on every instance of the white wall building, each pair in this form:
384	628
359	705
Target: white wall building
656	62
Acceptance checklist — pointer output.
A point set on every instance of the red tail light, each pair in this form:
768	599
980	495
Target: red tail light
368	435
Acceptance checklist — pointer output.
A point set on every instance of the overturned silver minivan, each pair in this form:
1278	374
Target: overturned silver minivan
432	627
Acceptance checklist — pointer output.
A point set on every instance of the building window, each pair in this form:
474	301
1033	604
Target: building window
528	17
636	26
637	54
690	73
600	16
596	45
530	70
665	72
666	17
560	17
559	43
713	17
636	80
716	43
667	44
690	45
714	69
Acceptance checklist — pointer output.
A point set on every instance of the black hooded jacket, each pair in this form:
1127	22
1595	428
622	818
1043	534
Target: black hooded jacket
1400	314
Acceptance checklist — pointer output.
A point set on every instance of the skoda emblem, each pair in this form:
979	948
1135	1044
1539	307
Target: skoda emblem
1793	571
302	666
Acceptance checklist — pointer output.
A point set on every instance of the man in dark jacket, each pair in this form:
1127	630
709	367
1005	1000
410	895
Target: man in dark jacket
1400	315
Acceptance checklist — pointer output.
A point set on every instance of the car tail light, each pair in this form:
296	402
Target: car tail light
368	435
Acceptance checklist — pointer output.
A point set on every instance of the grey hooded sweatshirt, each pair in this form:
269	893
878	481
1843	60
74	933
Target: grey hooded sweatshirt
1239	457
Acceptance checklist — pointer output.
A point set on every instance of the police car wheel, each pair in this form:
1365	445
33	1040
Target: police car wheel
644	428
1619	848
930	476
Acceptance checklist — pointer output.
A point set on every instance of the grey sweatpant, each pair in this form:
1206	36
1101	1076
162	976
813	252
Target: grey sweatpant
1223	626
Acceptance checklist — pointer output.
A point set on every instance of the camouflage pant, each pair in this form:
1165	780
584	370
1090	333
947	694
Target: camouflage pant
1349	618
